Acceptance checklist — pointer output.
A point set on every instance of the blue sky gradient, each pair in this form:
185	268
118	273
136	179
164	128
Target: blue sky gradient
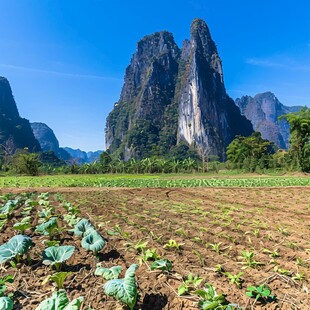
65	59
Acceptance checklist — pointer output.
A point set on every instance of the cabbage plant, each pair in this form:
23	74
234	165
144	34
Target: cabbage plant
83	227
15	248
48	228
93	241
23	224
108	273
125	290
56	255
6	303
60	301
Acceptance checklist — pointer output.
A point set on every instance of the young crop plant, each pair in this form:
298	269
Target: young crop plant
211	300
173	245
6	303
216	247
191	283
23	225
108	273
261	292
93	241
60	301
48	228
148	254
162	264
249	260
59	278
83	227
125	290
299	276
16	247
235	278
56	255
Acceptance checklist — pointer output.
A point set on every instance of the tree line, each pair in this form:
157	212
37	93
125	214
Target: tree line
249	154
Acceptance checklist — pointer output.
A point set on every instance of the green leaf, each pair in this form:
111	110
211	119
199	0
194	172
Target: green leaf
108	273
6	303
60	301
93	242
17	245
125	290
59	278
46	228
162	264
57	254
182	289
83	227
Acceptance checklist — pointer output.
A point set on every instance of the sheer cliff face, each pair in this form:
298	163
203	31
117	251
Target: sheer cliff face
180	94
13	128
204	106
263	111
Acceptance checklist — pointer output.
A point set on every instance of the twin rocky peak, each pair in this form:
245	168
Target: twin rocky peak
172	96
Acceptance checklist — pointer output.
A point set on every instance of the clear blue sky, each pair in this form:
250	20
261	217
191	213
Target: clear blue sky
65	59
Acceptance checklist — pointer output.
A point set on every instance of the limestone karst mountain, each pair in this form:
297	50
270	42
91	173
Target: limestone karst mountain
15	131
172	97
263	111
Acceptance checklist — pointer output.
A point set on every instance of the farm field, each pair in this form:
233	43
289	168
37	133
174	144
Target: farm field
231	238
156	180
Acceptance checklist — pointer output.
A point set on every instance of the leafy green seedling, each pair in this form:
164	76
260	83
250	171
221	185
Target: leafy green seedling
60	301
108	273
15	248
125	290
48	228
260	292
235	279
83	227
56	255
93	241
173	245
162	264
212	300
6	303
249	260
189	284
149	254
140	246
3	280
23	224
59	278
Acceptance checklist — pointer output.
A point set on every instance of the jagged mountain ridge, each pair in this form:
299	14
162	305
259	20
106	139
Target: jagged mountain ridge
263	111
14	129
171	96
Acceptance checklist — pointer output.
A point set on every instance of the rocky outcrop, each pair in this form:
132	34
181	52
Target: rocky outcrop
263	111
82	157
14	129
48	141
171	96
208	119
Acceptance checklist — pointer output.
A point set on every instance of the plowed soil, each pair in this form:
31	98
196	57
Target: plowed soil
212	226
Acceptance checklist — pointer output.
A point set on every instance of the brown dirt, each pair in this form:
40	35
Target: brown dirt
253	219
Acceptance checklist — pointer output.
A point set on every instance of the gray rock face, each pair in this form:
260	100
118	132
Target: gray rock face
82	157
48	141
205	110
12	127
263	111
172	95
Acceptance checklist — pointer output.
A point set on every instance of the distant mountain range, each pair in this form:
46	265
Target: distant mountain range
49	142
263	111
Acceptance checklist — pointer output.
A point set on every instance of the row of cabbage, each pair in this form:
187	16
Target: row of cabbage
97	181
